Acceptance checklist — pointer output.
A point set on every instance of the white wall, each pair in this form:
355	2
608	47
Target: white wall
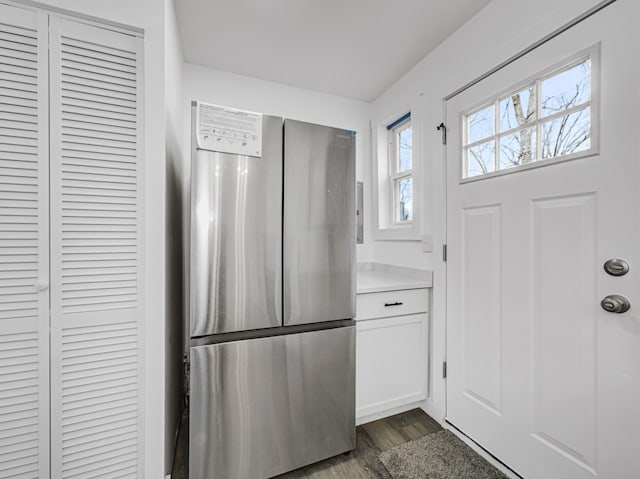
222	88
500	30
174	254
149	16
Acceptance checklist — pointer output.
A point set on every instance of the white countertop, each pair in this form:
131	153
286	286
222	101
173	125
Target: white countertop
376	277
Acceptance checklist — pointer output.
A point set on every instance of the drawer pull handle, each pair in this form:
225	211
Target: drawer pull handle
397	303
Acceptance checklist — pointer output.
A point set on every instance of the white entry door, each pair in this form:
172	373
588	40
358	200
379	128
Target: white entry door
543	187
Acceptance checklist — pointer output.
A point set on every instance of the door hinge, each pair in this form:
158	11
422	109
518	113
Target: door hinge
443	129
444	253
444	369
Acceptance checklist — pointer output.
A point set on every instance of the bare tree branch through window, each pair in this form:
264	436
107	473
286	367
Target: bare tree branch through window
548	119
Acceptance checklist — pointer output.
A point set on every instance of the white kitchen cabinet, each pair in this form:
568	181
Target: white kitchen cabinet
391	352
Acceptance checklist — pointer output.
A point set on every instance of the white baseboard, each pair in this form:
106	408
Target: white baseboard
386	413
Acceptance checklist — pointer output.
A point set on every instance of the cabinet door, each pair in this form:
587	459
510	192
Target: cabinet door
391	367
96	228
24	249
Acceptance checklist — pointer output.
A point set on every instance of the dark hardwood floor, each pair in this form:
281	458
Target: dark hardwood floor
361	463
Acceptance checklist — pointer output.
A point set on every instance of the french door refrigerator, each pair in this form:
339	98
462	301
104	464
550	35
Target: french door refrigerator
272	295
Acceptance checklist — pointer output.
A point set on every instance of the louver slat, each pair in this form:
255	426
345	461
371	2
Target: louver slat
96	244
24	350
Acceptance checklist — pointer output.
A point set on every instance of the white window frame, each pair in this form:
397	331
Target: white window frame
395	175
592	53
385	228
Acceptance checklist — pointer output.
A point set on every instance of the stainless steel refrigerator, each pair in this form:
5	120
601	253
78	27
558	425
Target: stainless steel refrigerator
272	297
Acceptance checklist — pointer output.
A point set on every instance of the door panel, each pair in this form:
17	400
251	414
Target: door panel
96	242
319	223
563	342
538	373
236	237
24	244
261	407
481	282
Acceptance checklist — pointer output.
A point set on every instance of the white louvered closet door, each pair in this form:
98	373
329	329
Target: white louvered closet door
24	245
96	375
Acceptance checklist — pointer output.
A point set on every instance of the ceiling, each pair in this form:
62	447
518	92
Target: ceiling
352	48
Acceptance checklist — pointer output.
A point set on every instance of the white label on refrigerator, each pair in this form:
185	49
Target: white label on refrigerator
228	130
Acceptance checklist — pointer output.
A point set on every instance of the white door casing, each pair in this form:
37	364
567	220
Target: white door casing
538	373
24	244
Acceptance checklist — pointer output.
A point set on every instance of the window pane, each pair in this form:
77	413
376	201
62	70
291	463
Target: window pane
481	159
567	89
404	149
518	148
518	109
481	124
566	134
405	199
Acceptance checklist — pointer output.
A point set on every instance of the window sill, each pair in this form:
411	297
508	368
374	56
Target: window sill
396	233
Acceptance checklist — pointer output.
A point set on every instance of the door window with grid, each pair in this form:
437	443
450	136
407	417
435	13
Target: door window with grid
549	118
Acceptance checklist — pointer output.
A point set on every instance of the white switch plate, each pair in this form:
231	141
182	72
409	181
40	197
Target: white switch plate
427	243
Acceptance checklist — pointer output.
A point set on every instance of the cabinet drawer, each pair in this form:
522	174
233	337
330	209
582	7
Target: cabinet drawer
392	303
